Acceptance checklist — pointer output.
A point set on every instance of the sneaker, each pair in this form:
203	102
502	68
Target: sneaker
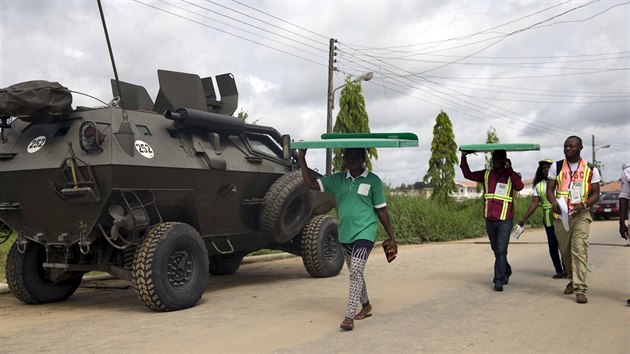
498	286
559	276
569	289
581	298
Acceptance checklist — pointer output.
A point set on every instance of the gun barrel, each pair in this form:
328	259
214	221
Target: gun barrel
192	119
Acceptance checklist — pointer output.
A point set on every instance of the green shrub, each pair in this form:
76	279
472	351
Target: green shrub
534	220
4	250
414	219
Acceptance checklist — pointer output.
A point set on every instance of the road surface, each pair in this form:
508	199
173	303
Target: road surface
434	297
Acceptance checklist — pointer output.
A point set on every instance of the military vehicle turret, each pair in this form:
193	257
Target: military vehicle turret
159	193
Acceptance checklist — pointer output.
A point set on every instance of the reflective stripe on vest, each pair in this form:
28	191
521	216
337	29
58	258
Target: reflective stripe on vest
505	199
541	188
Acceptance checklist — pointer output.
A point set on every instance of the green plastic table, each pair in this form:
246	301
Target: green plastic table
492	147
359	140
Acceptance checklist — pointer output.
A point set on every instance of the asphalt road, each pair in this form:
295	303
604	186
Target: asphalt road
434	297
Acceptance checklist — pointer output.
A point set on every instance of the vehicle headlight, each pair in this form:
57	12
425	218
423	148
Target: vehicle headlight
90	138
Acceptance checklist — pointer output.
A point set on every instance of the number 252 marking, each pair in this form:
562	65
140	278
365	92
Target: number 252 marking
37	143
144	148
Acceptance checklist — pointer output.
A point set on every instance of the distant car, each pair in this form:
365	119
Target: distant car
606	206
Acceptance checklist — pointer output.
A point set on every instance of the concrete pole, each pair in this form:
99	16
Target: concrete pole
329	102
593	141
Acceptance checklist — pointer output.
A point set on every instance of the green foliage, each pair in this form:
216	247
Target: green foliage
352	118
4	250
264	252
417	219
441	172
491	138
243	115
534	220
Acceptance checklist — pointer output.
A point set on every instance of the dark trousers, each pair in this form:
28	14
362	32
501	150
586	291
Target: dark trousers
499	235
554	251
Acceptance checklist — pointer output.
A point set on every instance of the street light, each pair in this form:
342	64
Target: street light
594	149
331	104
599	148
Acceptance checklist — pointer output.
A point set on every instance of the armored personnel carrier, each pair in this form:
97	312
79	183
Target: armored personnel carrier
161	193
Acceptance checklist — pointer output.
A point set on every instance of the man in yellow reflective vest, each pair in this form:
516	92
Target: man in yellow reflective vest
576	183
499	186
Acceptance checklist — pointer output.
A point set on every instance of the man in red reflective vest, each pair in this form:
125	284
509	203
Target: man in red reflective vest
576	182
500	185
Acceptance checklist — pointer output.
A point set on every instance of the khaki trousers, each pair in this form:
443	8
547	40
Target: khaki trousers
573	246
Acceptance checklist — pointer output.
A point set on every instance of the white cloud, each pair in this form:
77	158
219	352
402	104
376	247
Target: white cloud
286	87
260	86
73	53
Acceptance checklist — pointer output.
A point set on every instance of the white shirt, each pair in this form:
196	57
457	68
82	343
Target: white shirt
535	192
625	182
573	166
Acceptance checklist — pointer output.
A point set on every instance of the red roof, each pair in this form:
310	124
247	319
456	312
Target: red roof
611	187
466	183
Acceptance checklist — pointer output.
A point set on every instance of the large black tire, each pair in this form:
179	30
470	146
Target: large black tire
30	282
286	208
224	264
321	252
170	268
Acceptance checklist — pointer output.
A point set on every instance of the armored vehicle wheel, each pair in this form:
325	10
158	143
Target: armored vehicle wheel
286	208
170	269
321	252
224	264
30	282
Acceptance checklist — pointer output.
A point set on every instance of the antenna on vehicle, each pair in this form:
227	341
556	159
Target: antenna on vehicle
124	136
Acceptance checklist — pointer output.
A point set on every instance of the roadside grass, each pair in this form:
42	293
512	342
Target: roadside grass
4	250
414	220
417	220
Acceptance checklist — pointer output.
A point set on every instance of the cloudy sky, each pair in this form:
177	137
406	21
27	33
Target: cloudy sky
536	71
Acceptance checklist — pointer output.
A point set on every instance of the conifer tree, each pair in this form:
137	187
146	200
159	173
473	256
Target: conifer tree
352	118
491	138
441	172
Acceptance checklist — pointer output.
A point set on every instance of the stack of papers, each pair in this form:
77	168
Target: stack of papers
564	213
517	231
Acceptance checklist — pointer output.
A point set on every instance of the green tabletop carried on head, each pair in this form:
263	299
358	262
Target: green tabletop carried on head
492	147
359	140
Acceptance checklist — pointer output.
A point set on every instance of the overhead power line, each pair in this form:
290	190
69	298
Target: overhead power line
230	33
282	20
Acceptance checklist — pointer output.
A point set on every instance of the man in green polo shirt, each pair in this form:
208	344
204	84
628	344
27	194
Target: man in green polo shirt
360	201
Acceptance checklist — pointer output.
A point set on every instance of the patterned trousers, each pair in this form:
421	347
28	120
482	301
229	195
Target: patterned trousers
356	255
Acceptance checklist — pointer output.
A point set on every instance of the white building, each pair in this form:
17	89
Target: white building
468	189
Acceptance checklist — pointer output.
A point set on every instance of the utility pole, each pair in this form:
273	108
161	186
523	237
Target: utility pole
329	102
593	141
599	165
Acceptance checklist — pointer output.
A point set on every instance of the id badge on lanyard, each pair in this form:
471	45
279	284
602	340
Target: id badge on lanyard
575	188
575	192
501	189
